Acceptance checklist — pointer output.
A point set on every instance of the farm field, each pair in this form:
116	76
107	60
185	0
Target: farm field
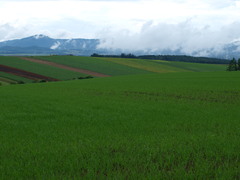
94	64
123	66
25	74
160	66
75	67
14	78
4	81
193	67
40	69
181	125
61	66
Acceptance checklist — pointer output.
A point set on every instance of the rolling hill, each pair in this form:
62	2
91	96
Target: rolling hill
74	67
147	126
136	119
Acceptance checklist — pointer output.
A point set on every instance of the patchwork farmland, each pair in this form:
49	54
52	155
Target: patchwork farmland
26	74
52	68
65	67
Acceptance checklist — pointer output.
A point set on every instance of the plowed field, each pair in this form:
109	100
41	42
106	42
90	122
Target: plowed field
25	74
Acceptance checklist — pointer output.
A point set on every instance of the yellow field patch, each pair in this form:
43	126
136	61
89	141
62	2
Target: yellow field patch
147	65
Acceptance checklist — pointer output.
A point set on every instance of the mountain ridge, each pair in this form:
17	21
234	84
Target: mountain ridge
48	45
44	45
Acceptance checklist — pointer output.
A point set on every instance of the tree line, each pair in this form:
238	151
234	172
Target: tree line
182	58
234	65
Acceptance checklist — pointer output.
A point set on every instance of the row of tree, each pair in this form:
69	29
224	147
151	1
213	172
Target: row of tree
123	55
234	65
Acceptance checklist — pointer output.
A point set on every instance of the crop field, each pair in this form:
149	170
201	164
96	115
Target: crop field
160	66
94	64
61	66
7	81
193	67
25	74
4	81
41	69
14	78
122	66
75	67
145	65
149	126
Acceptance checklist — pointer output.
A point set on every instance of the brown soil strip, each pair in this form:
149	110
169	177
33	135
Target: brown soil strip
84	71
25	74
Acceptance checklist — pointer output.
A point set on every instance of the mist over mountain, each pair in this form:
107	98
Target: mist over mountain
41	44
44	45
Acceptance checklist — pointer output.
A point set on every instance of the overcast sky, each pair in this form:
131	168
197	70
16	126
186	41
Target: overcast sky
130	24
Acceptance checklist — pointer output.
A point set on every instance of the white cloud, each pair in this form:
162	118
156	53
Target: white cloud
55	45
184	36
127	23
9	31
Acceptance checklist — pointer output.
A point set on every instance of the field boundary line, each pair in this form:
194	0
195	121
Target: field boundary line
84	71
23	73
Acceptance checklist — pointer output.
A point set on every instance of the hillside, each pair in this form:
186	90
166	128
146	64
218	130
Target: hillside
153	126
41	69
124	66
74	67
44	45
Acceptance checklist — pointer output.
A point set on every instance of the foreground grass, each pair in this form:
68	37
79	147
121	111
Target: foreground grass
167	126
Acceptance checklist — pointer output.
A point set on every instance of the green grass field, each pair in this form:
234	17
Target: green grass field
5	81
94	64
41	69
149	126
160	66
193	67
145	65
108	66
13	78
122	66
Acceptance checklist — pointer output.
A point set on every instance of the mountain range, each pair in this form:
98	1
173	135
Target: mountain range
44	45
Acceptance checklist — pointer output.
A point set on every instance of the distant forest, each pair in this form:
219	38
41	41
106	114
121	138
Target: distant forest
182	58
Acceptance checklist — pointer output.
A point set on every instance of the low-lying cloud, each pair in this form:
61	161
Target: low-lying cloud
184	37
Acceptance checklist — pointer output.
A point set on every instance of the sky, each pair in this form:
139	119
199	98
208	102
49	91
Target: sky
192	25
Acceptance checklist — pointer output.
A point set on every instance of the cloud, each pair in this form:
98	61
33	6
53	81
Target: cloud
221	3
185	37
8	31
184	25
62	28
66	0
